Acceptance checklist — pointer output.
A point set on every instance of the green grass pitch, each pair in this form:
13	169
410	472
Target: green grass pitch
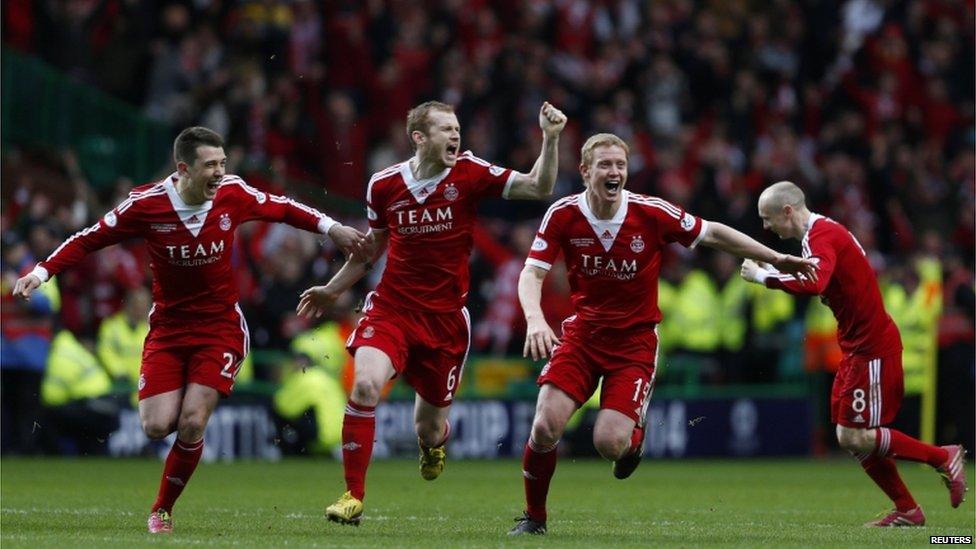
104	503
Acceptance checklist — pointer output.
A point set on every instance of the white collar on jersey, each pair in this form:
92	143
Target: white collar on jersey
810	221
191	216
606	229
421	189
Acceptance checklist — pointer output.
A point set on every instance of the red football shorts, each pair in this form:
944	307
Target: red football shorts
428	349
624	359
208	352
867	392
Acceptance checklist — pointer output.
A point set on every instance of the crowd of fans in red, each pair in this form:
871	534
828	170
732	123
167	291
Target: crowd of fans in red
866	104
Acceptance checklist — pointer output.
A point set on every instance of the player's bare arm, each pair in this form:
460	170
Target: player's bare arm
540	340
315	301
727	239
538	183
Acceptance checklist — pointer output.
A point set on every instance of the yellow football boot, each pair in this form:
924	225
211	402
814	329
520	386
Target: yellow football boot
432	461
348	510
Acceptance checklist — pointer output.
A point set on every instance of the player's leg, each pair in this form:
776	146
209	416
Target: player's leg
881	399
612	434
435	372
162	385
553	409
851	412
433	431
198	404
882	470
160	414
624	397
373	368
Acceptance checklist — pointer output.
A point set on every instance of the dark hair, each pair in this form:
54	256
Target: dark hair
185	146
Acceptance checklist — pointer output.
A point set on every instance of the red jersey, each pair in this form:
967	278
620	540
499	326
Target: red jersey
430	224
847	284
189	246
613	264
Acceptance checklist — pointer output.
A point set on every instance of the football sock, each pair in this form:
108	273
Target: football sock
180	463
447	435
538	465
358	428
894	443
884	473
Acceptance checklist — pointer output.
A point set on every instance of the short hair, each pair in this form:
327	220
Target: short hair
782	193
185	146
418	119
601	140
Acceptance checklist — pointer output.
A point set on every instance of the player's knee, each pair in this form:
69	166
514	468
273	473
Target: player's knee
192	426
546	432
610	446
157	430
365	392
853	440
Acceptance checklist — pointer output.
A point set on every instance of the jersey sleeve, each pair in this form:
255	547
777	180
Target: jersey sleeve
674	223
121	223
820	247
258	205
375	207
545	248
487	180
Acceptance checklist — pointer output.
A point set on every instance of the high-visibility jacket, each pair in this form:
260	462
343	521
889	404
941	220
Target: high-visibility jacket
120	346
734	299
695	313
73	372
316	389
917	317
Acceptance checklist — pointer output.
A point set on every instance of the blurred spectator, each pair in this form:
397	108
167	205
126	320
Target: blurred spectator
25	342
79	410
121	337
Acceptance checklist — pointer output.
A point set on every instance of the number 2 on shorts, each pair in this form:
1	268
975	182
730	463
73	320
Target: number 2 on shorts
228	370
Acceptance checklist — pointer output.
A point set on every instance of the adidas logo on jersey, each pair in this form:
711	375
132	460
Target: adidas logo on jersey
858	419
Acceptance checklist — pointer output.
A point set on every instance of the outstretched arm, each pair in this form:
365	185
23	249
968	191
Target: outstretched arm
539	182
315	300
540	340
727	239
281	209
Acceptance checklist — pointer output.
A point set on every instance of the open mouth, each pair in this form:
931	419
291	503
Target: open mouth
213	186
452	151
612	186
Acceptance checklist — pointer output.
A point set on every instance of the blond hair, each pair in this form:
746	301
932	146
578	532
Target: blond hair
601	140
418	119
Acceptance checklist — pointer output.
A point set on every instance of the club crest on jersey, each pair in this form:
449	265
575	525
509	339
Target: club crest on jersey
637	244
225	223
539	244
451	192
688	221
368	332
110	219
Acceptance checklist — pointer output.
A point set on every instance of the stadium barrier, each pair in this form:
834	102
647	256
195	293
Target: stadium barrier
243	427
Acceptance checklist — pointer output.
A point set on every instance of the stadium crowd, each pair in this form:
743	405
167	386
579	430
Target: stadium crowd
866	104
